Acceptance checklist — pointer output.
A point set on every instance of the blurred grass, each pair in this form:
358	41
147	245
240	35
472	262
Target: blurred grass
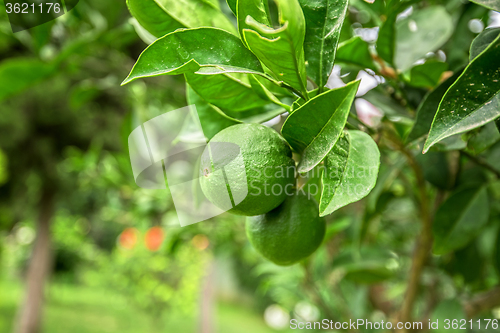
80	309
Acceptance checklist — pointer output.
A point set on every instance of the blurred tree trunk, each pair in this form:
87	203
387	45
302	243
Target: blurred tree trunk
30	314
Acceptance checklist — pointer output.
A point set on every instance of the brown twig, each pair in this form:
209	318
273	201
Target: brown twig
385	70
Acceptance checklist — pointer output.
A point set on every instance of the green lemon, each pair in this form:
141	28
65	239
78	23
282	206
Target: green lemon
288	233
247	169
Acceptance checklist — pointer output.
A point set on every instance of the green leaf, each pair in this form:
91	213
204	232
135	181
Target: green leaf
277	90
427	75
264	93
450	309
143	34
161	17
387	33
459	219
212	119
4	172
490	4
382	100
225	92
256	9
263	116
369	265
387	39
18	74
153	17
496	258
424	31
472	100
201	50
300	101
350	173
428	108
355	51
484	138
314	128
436	169
481	42
324	20
232	5
281	50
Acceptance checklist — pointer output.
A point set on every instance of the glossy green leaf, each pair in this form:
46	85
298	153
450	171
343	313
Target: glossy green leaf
278	91
225	91
459	219
266	114
314	128
161	17
300	101
386	40
481	42
449	309
452	143
153	17
473	100
424	31
212	119
232	5
18	74
264	93
143	34
428	108
281	50
355	51
369	265
201	50
256	9
374	203
490	4
350	173
324	20
427	75
256	115
468	263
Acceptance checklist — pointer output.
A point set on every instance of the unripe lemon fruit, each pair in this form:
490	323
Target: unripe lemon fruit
288	233
247	169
